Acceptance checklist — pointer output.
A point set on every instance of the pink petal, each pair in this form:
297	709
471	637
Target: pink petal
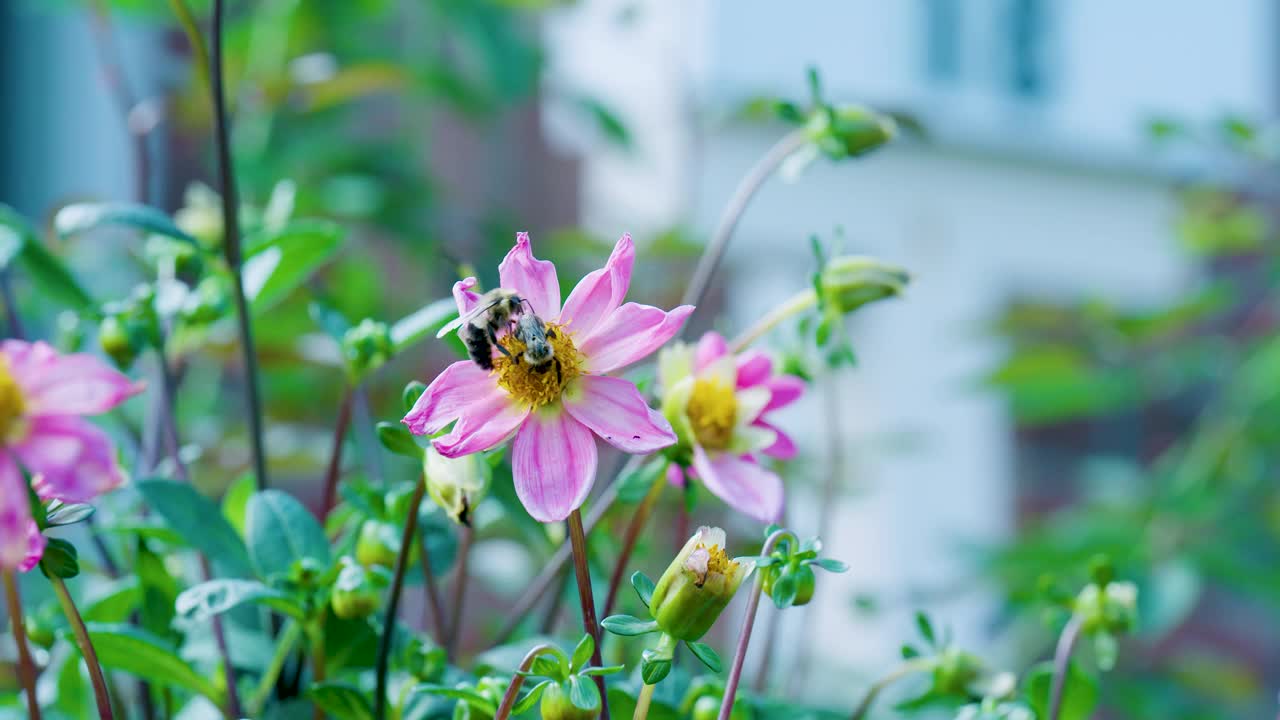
464	296
630	333
69	458
614	409
784	390
601	291
553	463
77	384
535	280
483	426
461	385
675	475
754	367
711	347
16	542
783	448
36	543
742	484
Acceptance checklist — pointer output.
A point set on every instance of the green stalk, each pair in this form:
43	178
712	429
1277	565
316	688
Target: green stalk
267	683
393	602
100	693
642	703
26	667
793	306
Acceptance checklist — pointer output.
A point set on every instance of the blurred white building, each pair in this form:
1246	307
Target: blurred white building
1038	182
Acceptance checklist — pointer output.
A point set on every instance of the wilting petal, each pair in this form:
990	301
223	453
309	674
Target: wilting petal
553	463
601	291
16	544
675	475
783	447
783	390
630	333
54	384
754	367
742	484
534	279
482	426
614	409
711	347
69	458
461	385
464	296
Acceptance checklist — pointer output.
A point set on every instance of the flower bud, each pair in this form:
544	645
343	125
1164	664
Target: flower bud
457	485
357	591
42	634
209	302
378	544
201	215
1113	608
367	346
114	339
556	705
848	130
697	586
708	708
804	580
850	281
955	670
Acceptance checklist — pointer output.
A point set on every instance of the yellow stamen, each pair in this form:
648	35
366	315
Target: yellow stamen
11	402
536	387
712	410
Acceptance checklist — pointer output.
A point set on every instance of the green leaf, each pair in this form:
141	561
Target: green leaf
653	668
159	591
281	532
470	696
197	519
606	670
707	655
18	241
582	653
1079	694
60	514
214	597
635	485
832	565
235	503
126	648
1105	650
411	393
583	693
397	438
629	626
83	217
341	701
909	651
548	667
926	628
784	590
114	605
644	587
278	261
424	322
60	559
527	702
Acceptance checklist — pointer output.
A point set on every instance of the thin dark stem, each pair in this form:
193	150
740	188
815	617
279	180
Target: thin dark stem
433	610
99	682
12	319
1061	662
318	663
744	638
582	573
334	470
638	520
551	570
393	602
465	535
231	248
904	670
517	680
26	666
746	190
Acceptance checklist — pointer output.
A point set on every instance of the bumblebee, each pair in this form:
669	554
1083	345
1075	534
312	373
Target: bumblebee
538	353
479	327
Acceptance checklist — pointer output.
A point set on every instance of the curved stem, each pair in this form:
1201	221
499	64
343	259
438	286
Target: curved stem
642	703
459	590
794	305
433	610
334	470
26	667
199	53
100	693
393	602
904	670
746	190
637	523
231	248
744	638
517	680
578	541
1061	661
267	683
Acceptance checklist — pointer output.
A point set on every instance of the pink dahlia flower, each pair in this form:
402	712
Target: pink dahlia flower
719	404
42	398
552	414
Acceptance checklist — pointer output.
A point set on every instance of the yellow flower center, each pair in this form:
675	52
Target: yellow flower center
538	385
706	562
712	410
11	402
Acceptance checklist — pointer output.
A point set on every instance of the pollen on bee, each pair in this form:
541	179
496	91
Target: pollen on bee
532	386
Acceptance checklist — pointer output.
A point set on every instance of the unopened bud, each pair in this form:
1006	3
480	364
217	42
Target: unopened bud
367	346
457	485
210	301
708	708
201	215
1111	609
378	544
848	130
357	591
114	339
851	281
955	670
557	705
696	587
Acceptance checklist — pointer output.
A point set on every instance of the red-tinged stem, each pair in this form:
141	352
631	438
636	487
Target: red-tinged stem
1061	663
393	603
517	680
433	610
26	666
578	542
465	535
90	655
634	528
334	470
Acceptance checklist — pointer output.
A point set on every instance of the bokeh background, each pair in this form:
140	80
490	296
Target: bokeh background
1086	360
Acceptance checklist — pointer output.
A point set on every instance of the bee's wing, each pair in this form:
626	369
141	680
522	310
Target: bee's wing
455	324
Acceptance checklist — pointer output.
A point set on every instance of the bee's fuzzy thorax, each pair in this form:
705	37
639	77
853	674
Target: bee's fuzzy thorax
526	384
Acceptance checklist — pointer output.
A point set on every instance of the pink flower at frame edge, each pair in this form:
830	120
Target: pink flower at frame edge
42	397
553	414
720	404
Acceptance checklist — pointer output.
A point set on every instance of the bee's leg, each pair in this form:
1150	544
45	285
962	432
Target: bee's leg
551	334
493	337
559	376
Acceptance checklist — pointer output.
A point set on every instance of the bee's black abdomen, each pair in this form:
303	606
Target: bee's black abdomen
478	347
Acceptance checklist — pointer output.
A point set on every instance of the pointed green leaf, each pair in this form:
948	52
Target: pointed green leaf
214	597
397	438
527	702
278	261
607	670
582	653
707	655
628	626
126	648
282	532
341	701
644	587
83	217
1079	693
199	522
583	693
926	628
832	565
19	241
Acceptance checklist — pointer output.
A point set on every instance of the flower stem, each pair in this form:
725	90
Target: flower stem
334	470
517	680
433	610
393	603
642	703
578	542
466	535
317	664
100	693
793	306
12	319
746	190
638	520
26	667
266	684
744	638
232	250
199	53
1061	662
904	670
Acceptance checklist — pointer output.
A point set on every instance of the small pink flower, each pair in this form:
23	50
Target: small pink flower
42	396
552	414
718	404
